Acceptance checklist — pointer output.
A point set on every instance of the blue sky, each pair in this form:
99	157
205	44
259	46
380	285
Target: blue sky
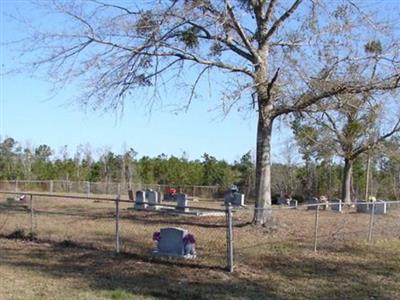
30	112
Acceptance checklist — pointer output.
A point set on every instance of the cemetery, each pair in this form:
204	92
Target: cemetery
177	242
219	150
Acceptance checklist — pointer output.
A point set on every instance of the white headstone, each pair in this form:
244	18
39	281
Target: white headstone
182	202
140	200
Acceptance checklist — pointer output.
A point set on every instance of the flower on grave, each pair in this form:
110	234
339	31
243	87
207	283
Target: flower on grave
156	236
189	239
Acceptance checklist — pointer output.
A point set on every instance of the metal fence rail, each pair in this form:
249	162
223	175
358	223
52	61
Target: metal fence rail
225	238
105	188
111	223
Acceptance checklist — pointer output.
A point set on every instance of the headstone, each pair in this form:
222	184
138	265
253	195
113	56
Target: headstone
293	203
380	208
238	199
182	202
282	200
152	199
140	202
171	241
336	205
363	206
313	200
228	198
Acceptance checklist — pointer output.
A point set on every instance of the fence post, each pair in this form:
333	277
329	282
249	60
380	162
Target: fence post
88	188
51	186
16	185
229	236
371	222
117	224
316	228
32	214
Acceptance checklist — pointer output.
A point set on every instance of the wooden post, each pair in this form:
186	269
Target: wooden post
316	228
117	224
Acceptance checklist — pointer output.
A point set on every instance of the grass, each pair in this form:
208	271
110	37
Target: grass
73	256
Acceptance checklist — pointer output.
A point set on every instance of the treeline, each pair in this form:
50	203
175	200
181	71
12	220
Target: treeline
316	176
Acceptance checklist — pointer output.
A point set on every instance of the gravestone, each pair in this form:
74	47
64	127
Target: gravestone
282	200
228	198
235	199
182	202
363	206
152	199
313	200
238	199
171	242
380	208
336	205
293	203
140	202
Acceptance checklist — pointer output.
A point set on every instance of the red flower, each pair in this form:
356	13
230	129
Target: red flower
156	236
189	239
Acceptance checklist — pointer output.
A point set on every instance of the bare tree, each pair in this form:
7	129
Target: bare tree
275	56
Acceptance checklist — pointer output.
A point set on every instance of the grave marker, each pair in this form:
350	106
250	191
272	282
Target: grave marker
172	241
152	199
140	202
182	202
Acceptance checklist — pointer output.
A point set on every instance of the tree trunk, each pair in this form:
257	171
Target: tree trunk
346	180
263	213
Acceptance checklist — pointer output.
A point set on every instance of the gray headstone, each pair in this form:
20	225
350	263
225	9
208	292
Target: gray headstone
293	203
171	241
238	199
282	200
152	199
140	198
228	198
380	208
336	205
363	206
182	202
313	200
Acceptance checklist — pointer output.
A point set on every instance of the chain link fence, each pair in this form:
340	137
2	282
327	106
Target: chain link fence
109	224
106	188
224	237
313	228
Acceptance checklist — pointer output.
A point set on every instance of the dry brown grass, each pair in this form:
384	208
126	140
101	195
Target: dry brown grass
275	263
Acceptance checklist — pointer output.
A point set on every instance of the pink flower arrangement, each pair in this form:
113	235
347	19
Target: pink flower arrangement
189	239
156	236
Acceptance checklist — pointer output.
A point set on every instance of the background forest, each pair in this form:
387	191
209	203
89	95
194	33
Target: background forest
317	174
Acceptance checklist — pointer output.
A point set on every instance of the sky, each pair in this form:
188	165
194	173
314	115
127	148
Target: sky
32	114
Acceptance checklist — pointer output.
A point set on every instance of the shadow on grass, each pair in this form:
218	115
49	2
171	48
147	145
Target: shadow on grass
103	271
